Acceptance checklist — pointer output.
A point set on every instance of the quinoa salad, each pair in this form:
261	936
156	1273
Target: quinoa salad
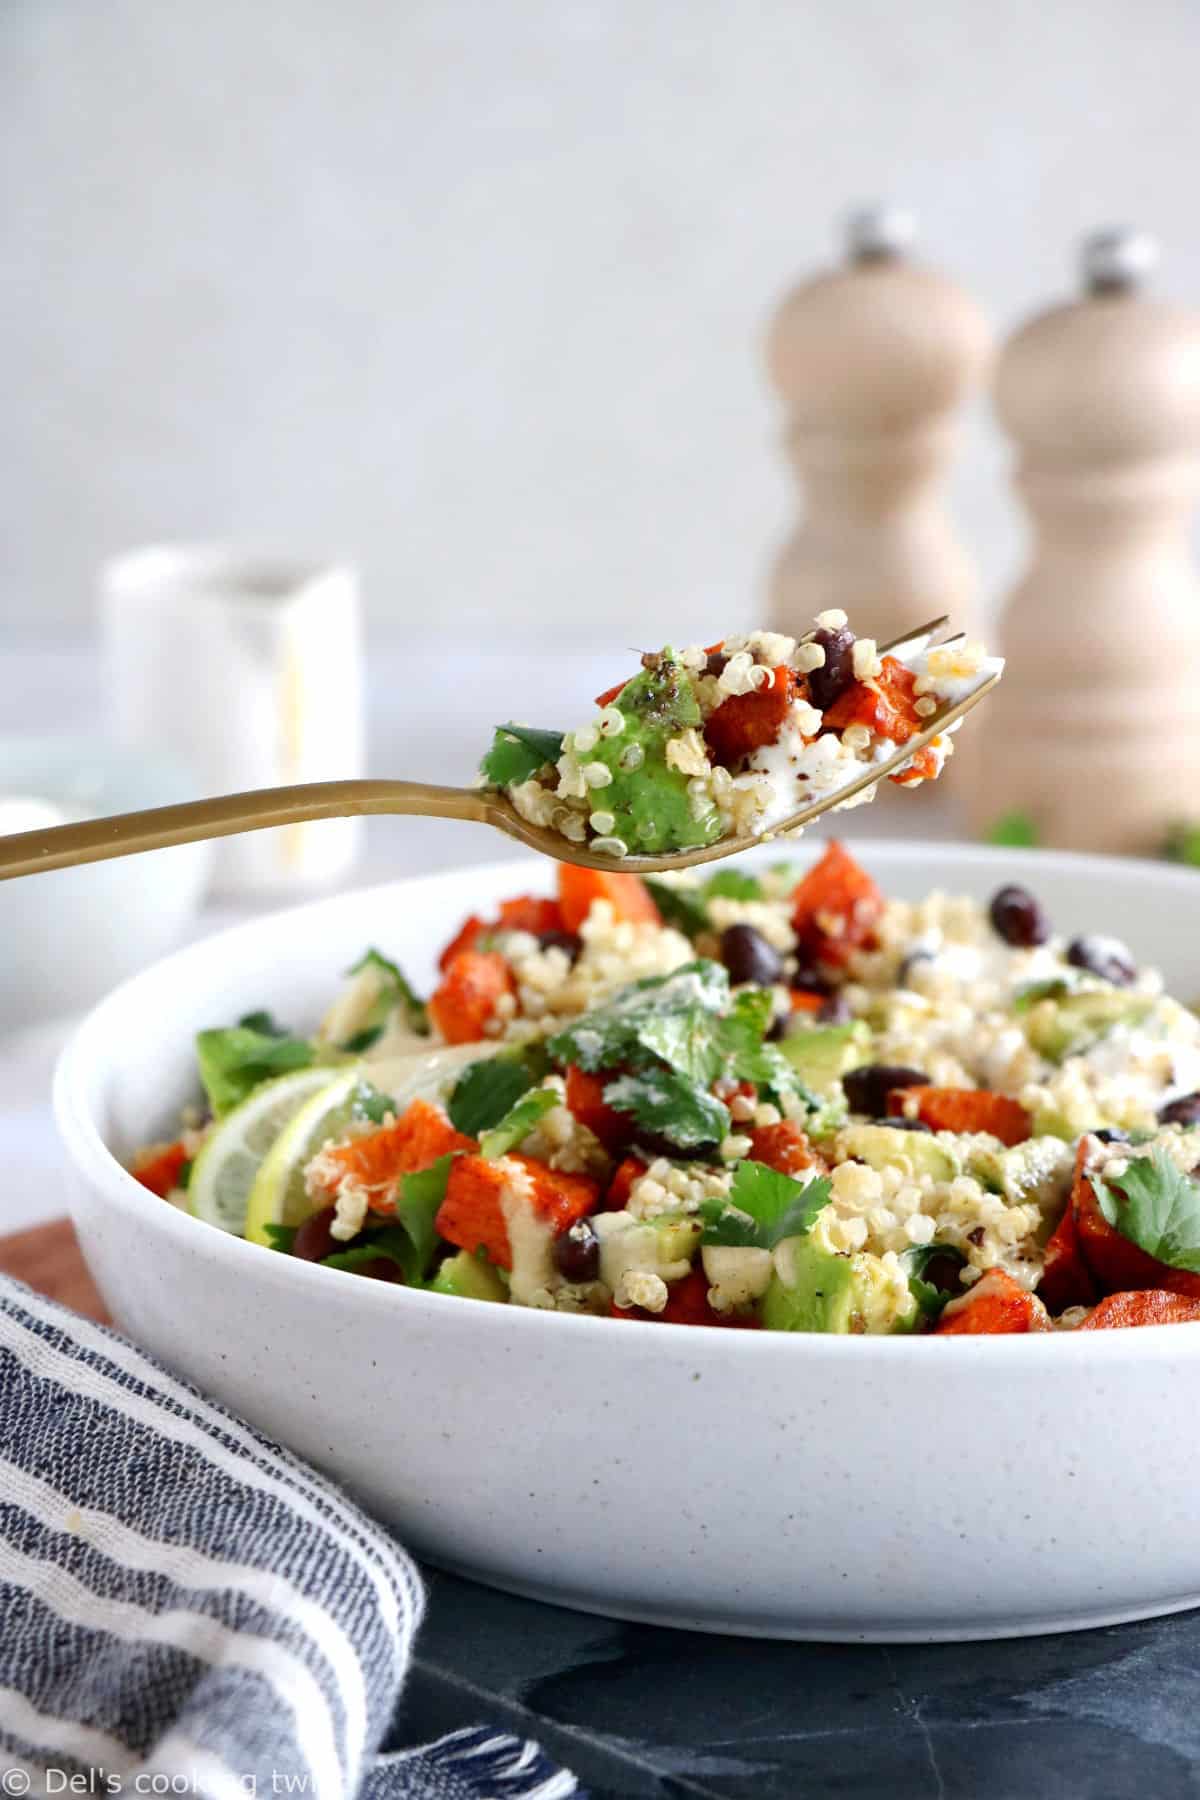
735	738
768	1100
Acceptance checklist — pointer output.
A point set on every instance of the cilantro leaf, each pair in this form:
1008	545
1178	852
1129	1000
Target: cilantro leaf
661	1010
668	1104
184	1178
517	753
724	1226
411	1238
1014	829
369	1103
930	1298
395	990
780	1205
516	1125
775	1206
263	1022
281	1237
733	884
680	906
690	1022
486	1091
1157	1207
393	1242
747	1056
801	1215
417	1206
741	1039
1183	843
685	1041
233	1061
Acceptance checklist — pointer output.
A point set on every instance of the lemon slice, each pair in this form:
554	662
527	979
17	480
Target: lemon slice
223	1173
278	1196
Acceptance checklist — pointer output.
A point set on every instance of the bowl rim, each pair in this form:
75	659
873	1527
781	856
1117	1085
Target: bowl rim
98	1166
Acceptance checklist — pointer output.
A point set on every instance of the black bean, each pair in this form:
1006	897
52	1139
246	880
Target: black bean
1184	1111
748	956
1105	957
1109	1134
715	664
905	1124
867	1089
809	979
562	940
837	672
314	1239
1017	918
577	1252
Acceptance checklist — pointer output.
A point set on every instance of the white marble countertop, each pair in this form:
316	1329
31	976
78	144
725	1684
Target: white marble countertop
428	730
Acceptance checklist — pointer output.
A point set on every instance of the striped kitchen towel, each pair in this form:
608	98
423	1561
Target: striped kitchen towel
185	1608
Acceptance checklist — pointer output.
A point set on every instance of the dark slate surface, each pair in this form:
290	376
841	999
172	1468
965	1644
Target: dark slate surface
638	1711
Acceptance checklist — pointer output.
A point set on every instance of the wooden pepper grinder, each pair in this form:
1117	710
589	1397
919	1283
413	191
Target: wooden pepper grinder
1093	736
872	361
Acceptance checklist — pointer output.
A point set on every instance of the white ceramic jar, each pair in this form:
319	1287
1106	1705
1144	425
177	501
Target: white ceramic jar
250	669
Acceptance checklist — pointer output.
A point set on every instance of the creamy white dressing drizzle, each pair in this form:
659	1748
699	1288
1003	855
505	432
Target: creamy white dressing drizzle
950	689
530	1238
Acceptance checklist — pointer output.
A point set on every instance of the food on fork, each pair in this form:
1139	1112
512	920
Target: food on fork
766	1099
735	738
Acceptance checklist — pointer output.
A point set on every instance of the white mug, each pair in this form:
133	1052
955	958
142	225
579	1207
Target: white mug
250	669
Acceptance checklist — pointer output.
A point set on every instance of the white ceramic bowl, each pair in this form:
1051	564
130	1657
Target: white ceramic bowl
66	937
815	1487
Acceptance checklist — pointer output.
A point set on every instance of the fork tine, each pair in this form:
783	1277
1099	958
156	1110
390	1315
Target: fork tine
915	636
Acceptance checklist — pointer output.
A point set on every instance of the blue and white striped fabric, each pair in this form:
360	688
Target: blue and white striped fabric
187	1608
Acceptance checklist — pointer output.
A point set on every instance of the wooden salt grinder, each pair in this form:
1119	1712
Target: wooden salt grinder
1094	733
872	361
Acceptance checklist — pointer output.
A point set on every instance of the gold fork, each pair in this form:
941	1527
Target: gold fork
94	840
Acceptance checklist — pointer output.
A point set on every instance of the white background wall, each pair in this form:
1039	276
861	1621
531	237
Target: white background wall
473	289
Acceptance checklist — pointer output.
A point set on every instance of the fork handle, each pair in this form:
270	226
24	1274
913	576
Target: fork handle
225	815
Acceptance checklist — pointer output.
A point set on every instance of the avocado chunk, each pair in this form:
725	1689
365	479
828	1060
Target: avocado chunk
677	1236
883	1147
822	1055
468	1277
1038	1170
818	1294
815	1289
651	805
1066	1026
